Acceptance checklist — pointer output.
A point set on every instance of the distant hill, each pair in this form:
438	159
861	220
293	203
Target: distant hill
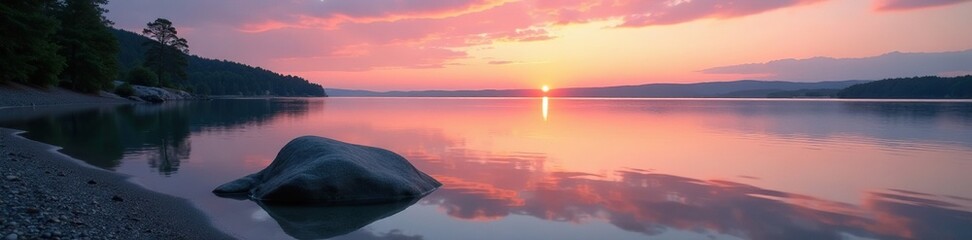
743	88
913	88
220	77
805	93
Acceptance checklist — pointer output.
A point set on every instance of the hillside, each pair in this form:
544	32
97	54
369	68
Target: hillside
220	77
744	88
913	88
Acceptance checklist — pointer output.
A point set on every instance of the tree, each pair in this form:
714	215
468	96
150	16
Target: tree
27	52
167	52
87	45
220	77
125	90
142	76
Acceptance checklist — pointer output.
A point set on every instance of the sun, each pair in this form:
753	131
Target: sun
545	88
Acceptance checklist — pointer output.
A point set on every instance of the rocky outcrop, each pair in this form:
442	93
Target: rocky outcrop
313	169
158	95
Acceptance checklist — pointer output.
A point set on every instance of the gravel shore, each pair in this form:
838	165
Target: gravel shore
16	95
47	195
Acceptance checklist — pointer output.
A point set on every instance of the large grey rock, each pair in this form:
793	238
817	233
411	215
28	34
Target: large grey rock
313	169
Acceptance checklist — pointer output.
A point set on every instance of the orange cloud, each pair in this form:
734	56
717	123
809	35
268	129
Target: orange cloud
356	36
424	34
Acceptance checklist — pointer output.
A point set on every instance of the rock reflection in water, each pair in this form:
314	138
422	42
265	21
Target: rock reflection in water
320	222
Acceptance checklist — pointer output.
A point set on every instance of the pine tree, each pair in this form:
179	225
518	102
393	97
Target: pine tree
27	52
87	45
167	53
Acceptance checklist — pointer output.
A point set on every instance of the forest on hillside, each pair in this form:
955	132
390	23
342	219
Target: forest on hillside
930	87
219	77
71	44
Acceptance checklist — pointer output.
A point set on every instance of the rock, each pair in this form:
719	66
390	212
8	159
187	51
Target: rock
116	198
92	182
313	169
12	236
158	95
13	178
135	98
153	98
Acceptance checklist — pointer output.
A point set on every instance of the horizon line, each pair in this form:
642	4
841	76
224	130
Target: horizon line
608	86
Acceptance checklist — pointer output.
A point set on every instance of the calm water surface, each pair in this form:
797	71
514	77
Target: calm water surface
561	168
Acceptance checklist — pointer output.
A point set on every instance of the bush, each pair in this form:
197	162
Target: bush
143	76
125	90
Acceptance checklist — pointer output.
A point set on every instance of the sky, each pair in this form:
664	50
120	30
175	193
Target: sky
500	44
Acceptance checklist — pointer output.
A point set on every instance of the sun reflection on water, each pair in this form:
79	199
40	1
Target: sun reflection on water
544	107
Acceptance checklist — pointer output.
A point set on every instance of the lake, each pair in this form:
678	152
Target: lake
532	168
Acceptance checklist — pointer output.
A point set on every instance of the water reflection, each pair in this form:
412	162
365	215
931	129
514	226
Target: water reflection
544	107
159	134
653	203
320	222
725	169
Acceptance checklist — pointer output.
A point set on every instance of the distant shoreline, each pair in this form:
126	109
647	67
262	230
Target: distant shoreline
930	87
14	95
680	98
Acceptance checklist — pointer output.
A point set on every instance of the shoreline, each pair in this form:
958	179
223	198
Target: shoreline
17	95
47	194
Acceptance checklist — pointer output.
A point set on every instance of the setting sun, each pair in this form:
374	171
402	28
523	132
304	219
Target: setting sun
545	88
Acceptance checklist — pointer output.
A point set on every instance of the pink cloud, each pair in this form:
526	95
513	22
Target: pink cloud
434	41
899	5
330	14
331	35
366	57
634	13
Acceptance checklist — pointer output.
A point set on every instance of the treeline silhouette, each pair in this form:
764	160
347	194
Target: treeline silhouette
220	77
57	42
929	87
70	43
